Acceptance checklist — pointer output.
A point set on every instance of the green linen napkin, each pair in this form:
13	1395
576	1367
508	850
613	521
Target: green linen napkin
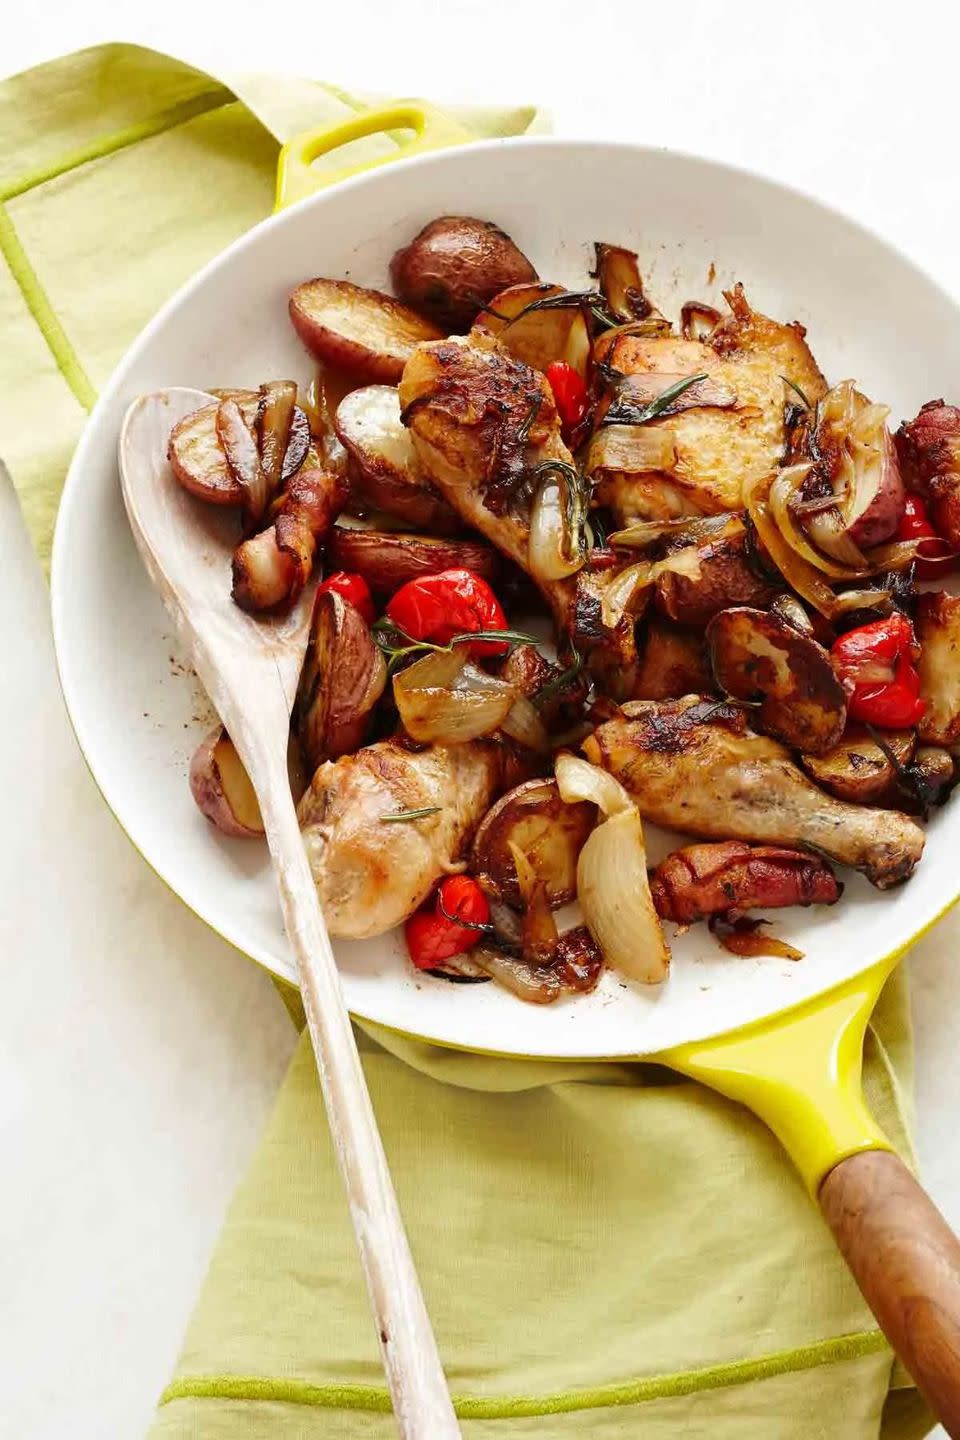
606	1250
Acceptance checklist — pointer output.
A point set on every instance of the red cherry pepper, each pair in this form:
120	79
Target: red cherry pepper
877	667
353	588
432	937
915	524
570	393
455	602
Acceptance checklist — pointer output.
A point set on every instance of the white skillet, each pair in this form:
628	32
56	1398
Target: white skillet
138	714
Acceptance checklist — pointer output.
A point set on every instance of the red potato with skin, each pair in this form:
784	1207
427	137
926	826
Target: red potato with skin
222	790
387	559
454	266
360	331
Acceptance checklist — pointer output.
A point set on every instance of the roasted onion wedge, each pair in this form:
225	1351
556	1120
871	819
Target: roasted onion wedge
759	658
196	455
362	331
533	818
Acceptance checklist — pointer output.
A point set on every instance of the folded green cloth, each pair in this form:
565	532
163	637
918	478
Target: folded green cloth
606	1251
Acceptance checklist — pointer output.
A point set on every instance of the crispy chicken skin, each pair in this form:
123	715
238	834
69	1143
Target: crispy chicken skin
703	880
717	449
369	875
465	407
692	765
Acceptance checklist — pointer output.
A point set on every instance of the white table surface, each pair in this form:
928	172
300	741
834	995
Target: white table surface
138	1053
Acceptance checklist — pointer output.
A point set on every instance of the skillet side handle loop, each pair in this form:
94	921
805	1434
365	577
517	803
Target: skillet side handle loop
906	1260
432	130
800	1072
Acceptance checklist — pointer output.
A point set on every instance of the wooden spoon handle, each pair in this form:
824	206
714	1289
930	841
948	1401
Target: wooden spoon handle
421	1400
906	1260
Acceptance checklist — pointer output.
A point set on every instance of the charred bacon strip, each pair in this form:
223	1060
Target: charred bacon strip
705	880
929	451
271	568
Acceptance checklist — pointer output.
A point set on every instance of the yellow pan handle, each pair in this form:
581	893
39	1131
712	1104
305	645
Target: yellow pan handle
800	1072
432	130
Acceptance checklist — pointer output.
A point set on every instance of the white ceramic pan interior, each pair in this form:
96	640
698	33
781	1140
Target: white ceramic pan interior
138	711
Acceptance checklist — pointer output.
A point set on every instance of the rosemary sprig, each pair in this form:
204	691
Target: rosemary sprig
395	644
796	388
396	816
591	300
506	637
621	413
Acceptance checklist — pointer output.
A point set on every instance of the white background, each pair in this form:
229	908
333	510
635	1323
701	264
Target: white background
139	1054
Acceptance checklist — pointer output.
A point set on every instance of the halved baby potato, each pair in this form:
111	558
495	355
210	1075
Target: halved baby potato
856	769
221	786
537	337
757	657
197	457
533	819
387	559
343	677
385	462
362	331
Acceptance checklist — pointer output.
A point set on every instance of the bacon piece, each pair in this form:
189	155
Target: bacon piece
271	568
929	451
703	880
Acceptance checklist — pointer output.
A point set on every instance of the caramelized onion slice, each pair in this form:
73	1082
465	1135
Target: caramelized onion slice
614	893
240	447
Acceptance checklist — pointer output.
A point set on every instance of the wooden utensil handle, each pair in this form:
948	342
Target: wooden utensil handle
421	1401
906	1260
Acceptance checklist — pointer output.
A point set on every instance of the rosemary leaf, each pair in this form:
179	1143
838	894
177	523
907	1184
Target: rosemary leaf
403	815
796	388
623	414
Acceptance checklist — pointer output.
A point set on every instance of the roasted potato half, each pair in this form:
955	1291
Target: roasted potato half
756	656
343	677
938	631
710	577
673	662
537	337
454	266
363	332
534	820
387	559
385	465
221	786
856	769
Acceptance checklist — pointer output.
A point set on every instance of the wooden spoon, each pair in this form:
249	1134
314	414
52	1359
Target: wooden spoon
250	668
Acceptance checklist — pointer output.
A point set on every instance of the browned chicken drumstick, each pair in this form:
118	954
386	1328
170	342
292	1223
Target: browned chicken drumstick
374	858
479	421
692	765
